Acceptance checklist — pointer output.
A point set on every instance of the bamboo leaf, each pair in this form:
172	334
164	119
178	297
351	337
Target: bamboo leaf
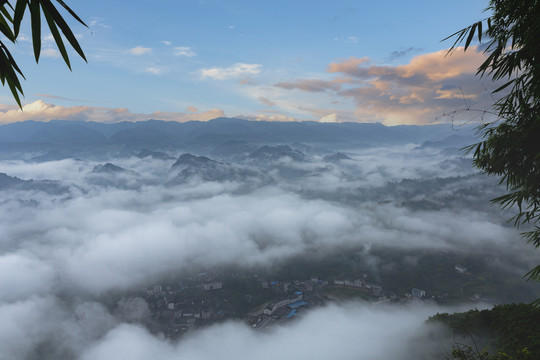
36	27
20	8
471	35
6	13
12	61
57	37
59	20
480	31
72	13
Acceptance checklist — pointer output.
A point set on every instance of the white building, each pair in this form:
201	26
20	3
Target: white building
215	285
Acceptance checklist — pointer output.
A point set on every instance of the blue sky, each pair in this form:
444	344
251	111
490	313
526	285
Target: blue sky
265	60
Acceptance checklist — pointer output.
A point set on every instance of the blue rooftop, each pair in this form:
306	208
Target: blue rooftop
291	314
297	304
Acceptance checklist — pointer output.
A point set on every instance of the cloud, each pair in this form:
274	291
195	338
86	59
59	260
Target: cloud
52	53
346	65
184	51
401	53
266	101
154	70
60	272
182	117
192	109
238	70
310	85
50	96
42	111
348	39
419	92
347	332
330	118
97	21
273	117
165	42
139	50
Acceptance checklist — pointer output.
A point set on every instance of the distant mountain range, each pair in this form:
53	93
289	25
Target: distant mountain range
222	136
12	183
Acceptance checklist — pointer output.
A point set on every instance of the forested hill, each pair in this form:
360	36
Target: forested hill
512	329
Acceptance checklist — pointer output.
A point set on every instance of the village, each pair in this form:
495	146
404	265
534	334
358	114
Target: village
207	298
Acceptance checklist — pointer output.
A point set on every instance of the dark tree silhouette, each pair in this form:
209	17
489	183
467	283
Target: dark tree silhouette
510	147
11	15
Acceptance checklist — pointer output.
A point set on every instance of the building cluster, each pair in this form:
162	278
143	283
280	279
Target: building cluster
205	299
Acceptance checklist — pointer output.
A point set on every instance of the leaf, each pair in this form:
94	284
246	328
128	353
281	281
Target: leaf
71	12
503	86
12	61
36	27
471	35
59	20
6	13
56	36
20	8
9	75
5	28
480	31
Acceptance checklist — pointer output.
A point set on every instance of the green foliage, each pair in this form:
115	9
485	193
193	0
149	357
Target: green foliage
513	329
10	24
466	352
510	147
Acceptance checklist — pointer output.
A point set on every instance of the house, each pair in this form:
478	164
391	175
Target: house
215	285
377	290
417	293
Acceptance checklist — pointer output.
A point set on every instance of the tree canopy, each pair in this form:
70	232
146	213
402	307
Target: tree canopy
510	146
509	331
11	16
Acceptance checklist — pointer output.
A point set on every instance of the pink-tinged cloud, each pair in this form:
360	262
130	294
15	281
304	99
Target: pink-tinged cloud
266	101
347	65
310	85
419	92
42	111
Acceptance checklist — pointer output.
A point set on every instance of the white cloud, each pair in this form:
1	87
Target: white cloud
97	22
139	50
165	42
347	332
154	70
52	53
23	37
330	118
236	71
184	51
48	38
104	239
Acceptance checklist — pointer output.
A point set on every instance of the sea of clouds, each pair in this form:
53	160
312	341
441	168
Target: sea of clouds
61	254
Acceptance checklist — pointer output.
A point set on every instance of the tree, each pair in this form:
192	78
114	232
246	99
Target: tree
10	24
510	146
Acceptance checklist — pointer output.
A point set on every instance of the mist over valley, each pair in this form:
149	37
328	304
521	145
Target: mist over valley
182	239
